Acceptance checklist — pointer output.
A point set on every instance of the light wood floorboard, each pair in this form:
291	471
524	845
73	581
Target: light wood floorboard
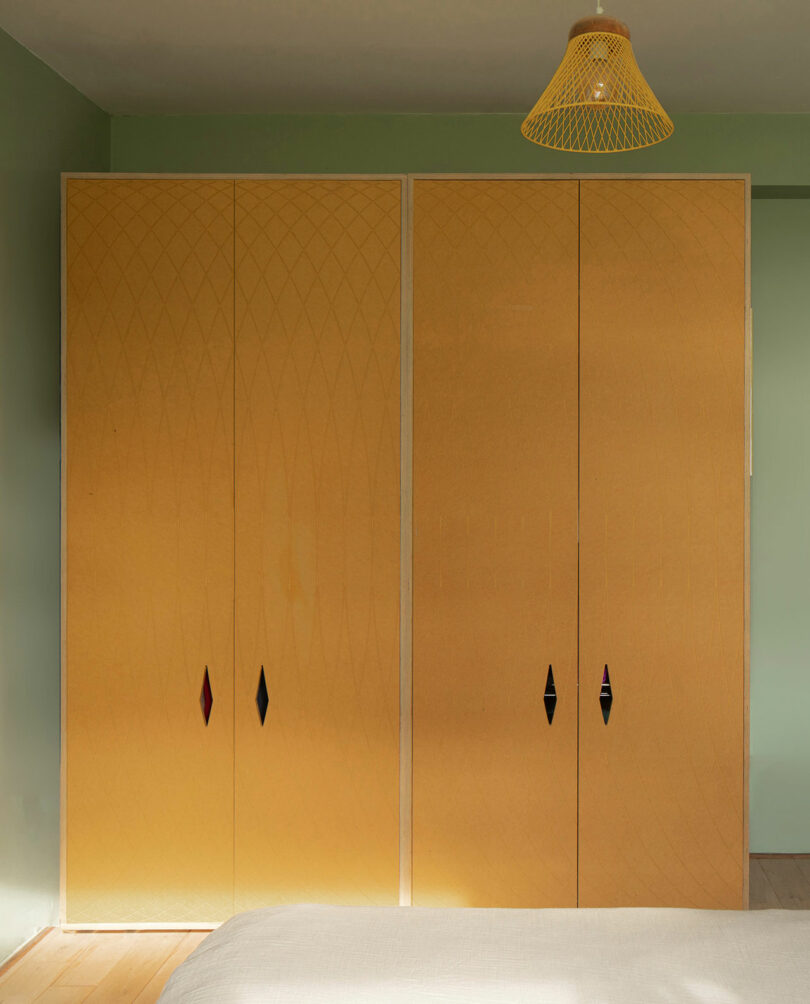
151	991
132	968
109	967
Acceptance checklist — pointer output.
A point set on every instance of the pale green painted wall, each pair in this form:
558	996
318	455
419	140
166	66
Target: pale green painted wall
775	149
45	127
780	537
48	127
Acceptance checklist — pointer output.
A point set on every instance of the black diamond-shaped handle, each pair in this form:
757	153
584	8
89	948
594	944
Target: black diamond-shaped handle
262	697
206	697
550	696
606	695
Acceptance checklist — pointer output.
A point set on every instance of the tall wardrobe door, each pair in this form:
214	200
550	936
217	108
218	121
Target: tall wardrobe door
317	541
149	550
495	543
662	523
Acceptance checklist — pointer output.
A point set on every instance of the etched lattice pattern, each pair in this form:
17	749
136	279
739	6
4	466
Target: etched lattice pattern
597	101
495	542
317	539
149	436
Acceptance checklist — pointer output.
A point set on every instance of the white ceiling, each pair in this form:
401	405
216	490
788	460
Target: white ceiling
192	56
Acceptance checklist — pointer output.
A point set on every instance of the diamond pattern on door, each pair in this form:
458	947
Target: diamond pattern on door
495	542
317	540
149	433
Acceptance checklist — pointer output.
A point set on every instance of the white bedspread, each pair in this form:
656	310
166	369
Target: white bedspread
356	955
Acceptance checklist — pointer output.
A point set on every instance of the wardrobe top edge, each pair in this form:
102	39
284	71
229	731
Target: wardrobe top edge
448	176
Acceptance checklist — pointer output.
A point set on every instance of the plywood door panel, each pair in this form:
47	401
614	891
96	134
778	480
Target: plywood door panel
495	542
661	542
317	540
149	548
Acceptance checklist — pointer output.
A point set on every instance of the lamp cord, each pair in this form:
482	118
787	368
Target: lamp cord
599	8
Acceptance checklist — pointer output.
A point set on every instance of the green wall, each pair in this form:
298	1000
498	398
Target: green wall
775	149
45	127
780	528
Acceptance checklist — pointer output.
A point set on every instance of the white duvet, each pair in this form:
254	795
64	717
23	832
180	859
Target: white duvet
357	955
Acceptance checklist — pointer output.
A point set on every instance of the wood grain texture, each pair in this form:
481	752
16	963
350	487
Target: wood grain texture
153	989
100	953
662	517
495	542
125	980
21	952
317	540
122	968
149	550
37	969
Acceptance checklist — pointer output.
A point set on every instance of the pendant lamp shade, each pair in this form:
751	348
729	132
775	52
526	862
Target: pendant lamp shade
597	101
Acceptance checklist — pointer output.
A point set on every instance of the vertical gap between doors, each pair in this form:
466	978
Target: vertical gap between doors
233	581
579	434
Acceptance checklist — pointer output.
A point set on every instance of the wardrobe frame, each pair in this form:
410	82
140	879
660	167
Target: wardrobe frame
406	487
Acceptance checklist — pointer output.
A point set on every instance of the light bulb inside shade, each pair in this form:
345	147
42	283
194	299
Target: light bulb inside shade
600	78
599	87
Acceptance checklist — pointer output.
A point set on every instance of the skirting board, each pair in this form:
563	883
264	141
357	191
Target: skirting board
139	927
23	950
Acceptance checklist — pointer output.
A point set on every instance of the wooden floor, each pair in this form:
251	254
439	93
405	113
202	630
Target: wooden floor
780	882
116	968
109	967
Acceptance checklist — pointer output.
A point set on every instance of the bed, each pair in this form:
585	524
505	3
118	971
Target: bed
315	954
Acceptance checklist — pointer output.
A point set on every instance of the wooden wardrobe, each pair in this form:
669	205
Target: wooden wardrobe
405	543
580	528
232	546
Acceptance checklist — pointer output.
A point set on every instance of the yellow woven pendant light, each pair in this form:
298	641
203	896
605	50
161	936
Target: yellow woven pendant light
597	101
